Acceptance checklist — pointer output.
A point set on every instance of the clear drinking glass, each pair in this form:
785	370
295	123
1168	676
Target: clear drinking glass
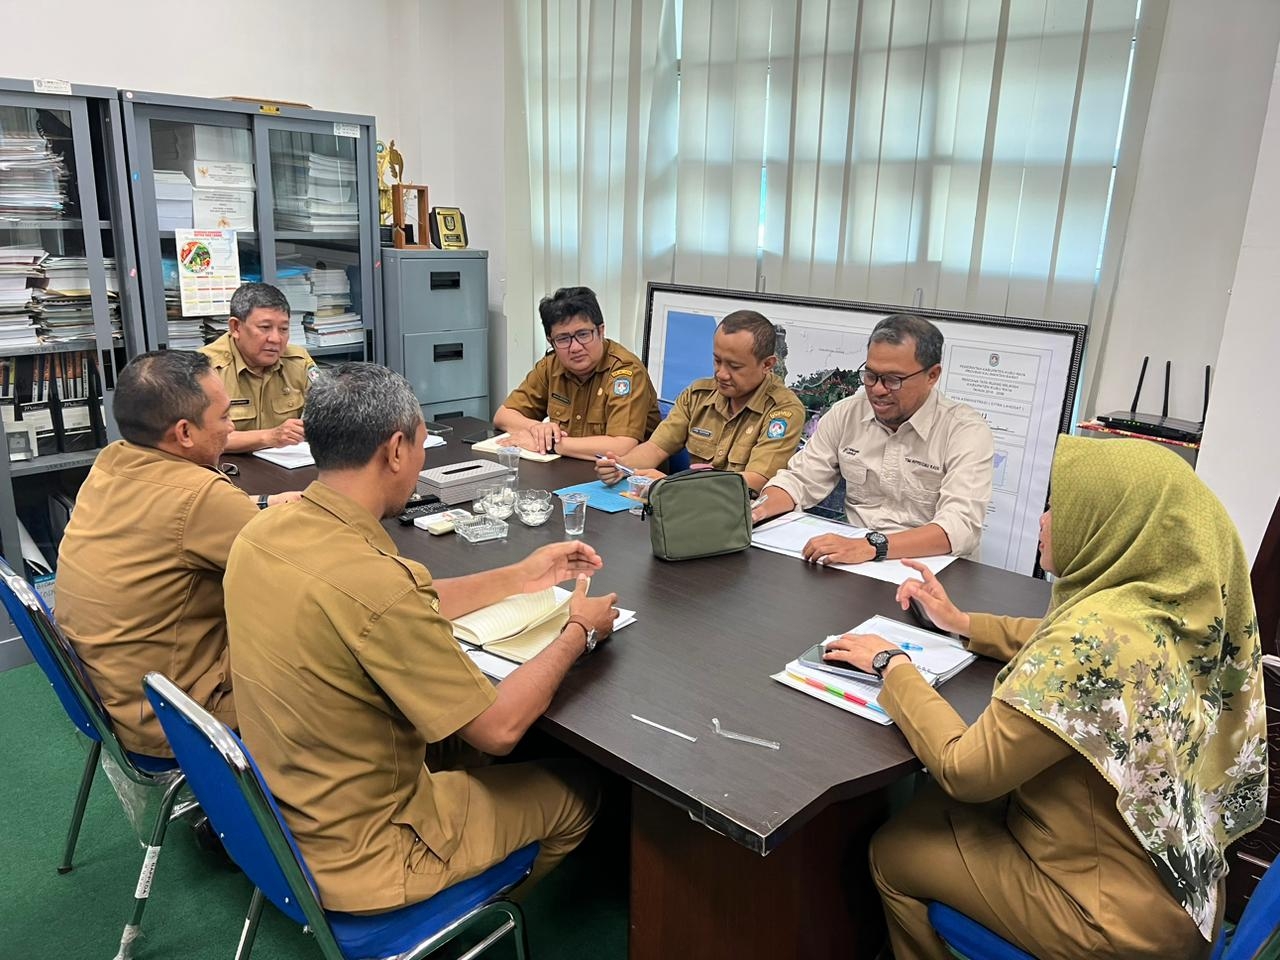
509	457
575	514
638	487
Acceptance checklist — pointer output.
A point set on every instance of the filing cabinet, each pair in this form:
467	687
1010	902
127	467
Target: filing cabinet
436	311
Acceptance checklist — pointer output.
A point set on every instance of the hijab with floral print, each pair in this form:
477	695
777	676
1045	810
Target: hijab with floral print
1149	661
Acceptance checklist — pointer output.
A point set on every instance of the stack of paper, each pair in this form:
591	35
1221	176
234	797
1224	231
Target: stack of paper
33	178
173	200
342	329
789	533
64	309
316	193
185	333
21	276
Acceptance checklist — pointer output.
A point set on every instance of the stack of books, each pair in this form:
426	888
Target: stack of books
333	323
21	275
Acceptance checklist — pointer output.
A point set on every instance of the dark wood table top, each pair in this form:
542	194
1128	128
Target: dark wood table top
708	635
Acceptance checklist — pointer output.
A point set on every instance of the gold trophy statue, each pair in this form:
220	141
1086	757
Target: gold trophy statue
389	159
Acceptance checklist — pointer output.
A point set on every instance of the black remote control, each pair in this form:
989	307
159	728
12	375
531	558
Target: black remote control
421	505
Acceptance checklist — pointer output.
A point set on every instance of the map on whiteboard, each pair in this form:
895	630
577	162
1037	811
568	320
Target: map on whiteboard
1014	376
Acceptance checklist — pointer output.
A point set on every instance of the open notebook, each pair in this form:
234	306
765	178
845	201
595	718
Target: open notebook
522	626
491	446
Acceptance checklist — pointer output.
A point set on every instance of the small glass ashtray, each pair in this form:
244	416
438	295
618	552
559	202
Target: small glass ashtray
480	528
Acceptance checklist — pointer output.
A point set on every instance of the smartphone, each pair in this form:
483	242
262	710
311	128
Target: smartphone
813	658
482	435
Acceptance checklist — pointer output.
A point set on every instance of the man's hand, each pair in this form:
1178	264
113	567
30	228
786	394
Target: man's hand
289	496
287	434
831	548
930	595
773	502
607	468
858	649
600	612
538	438
555	563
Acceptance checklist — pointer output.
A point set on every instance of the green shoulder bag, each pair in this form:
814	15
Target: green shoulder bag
699	513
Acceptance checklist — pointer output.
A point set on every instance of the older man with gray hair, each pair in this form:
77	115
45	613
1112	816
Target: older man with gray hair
346	669
916	464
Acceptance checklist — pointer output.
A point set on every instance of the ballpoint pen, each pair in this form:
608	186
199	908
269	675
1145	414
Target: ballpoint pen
621	468
907	646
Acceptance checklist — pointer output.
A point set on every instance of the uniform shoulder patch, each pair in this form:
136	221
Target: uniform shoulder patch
621	386
313	373
777	428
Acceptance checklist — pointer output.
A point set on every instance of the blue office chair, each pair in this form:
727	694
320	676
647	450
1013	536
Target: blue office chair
241	808
1259	928
680	460
66	674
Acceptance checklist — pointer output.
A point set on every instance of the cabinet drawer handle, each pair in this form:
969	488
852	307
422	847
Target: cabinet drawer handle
446	351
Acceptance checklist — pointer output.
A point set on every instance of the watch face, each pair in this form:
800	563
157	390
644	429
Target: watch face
876	539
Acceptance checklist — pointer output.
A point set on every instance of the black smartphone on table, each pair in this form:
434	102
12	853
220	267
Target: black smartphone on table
813	658
481	435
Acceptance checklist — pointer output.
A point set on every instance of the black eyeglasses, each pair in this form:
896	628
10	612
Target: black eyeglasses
230	469
891	381
582	336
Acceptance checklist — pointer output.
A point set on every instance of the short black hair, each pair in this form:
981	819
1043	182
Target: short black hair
928	338
155	390
567	303
354	408
763	333
257	296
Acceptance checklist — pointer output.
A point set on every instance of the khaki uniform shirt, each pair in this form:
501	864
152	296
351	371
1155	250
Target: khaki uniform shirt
340	690
139	583
1060	812
760	438
935	468
266	401
616	400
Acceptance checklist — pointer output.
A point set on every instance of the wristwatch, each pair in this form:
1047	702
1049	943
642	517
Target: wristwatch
880	542
881	660
589	630
263	501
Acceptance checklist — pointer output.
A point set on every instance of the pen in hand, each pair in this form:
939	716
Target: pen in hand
621	468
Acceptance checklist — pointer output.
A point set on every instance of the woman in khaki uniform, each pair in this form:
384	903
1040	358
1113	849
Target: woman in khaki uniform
1086	813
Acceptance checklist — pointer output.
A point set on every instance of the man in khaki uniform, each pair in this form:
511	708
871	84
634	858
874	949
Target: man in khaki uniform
341	690
595	393
140	566
265	375
916	464
743	419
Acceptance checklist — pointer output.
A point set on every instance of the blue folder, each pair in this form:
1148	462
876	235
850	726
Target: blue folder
600	496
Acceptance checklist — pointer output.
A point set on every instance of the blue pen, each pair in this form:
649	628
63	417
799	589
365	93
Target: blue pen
622	469
909	646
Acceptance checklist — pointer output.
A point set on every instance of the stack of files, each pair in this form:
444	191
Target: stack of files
211	328
64	309
315	193
938	658
515	630
78	402
33	178
173	200
21	277
345	328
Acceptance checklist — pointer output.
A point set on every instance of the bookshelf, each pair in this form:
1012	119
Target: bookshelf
297	185
64	223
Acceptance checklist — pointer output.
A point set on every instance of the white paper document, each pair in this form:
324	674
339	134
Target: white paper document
433	440
291	458
789	533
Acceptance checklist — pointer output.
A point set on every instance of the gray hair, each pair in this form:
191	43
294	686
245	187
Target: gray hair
256	296
354	408
155	390
928	338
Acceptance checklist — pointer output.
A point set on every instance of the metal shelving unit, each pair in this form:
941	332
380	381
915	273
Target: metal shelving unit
284	145
81	125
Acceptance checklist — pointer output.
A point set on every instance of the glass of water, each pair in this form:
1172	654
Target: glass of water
638	490
509	457
575	514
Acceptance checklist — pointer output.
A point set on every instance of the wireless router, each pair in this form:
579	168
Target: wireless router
1162	426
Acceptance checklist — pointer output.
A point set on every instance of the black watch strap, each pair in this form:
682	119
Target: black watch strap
882	659
263	501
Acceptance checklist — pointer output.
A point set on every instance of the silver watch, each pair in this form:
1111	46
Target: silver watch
592	639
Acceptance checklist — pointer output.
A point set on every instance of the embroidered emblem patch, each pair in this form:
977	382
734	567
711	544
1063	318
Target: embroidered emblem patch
621	386
313	373
777	428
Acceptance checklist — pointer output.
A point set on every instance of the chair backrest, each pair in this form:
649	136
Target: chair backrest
680	460
1266	585
231	791
56	657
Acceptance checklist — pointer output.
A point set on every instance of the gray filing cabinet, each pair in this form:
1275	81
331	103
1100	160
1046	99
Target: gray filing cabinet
436	308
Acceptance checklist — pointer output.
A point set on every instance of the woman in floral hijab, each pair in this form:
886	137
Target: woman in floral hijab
1088	810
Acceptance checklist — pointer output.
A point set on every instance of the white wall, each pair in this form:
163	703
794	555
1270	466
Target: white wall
1240	458
329	54
1189	203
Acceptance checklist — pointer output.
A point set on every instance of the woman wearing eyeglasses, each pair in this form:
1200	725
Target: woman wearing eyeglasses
916	464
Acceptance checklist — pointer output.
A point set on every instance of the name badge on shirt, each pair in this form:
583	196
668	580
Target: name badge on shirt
556	396
700	431
240	402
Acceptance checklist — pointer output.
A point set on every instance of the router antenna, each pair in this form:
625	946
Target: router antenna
1133	408
1205	412
1164	410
